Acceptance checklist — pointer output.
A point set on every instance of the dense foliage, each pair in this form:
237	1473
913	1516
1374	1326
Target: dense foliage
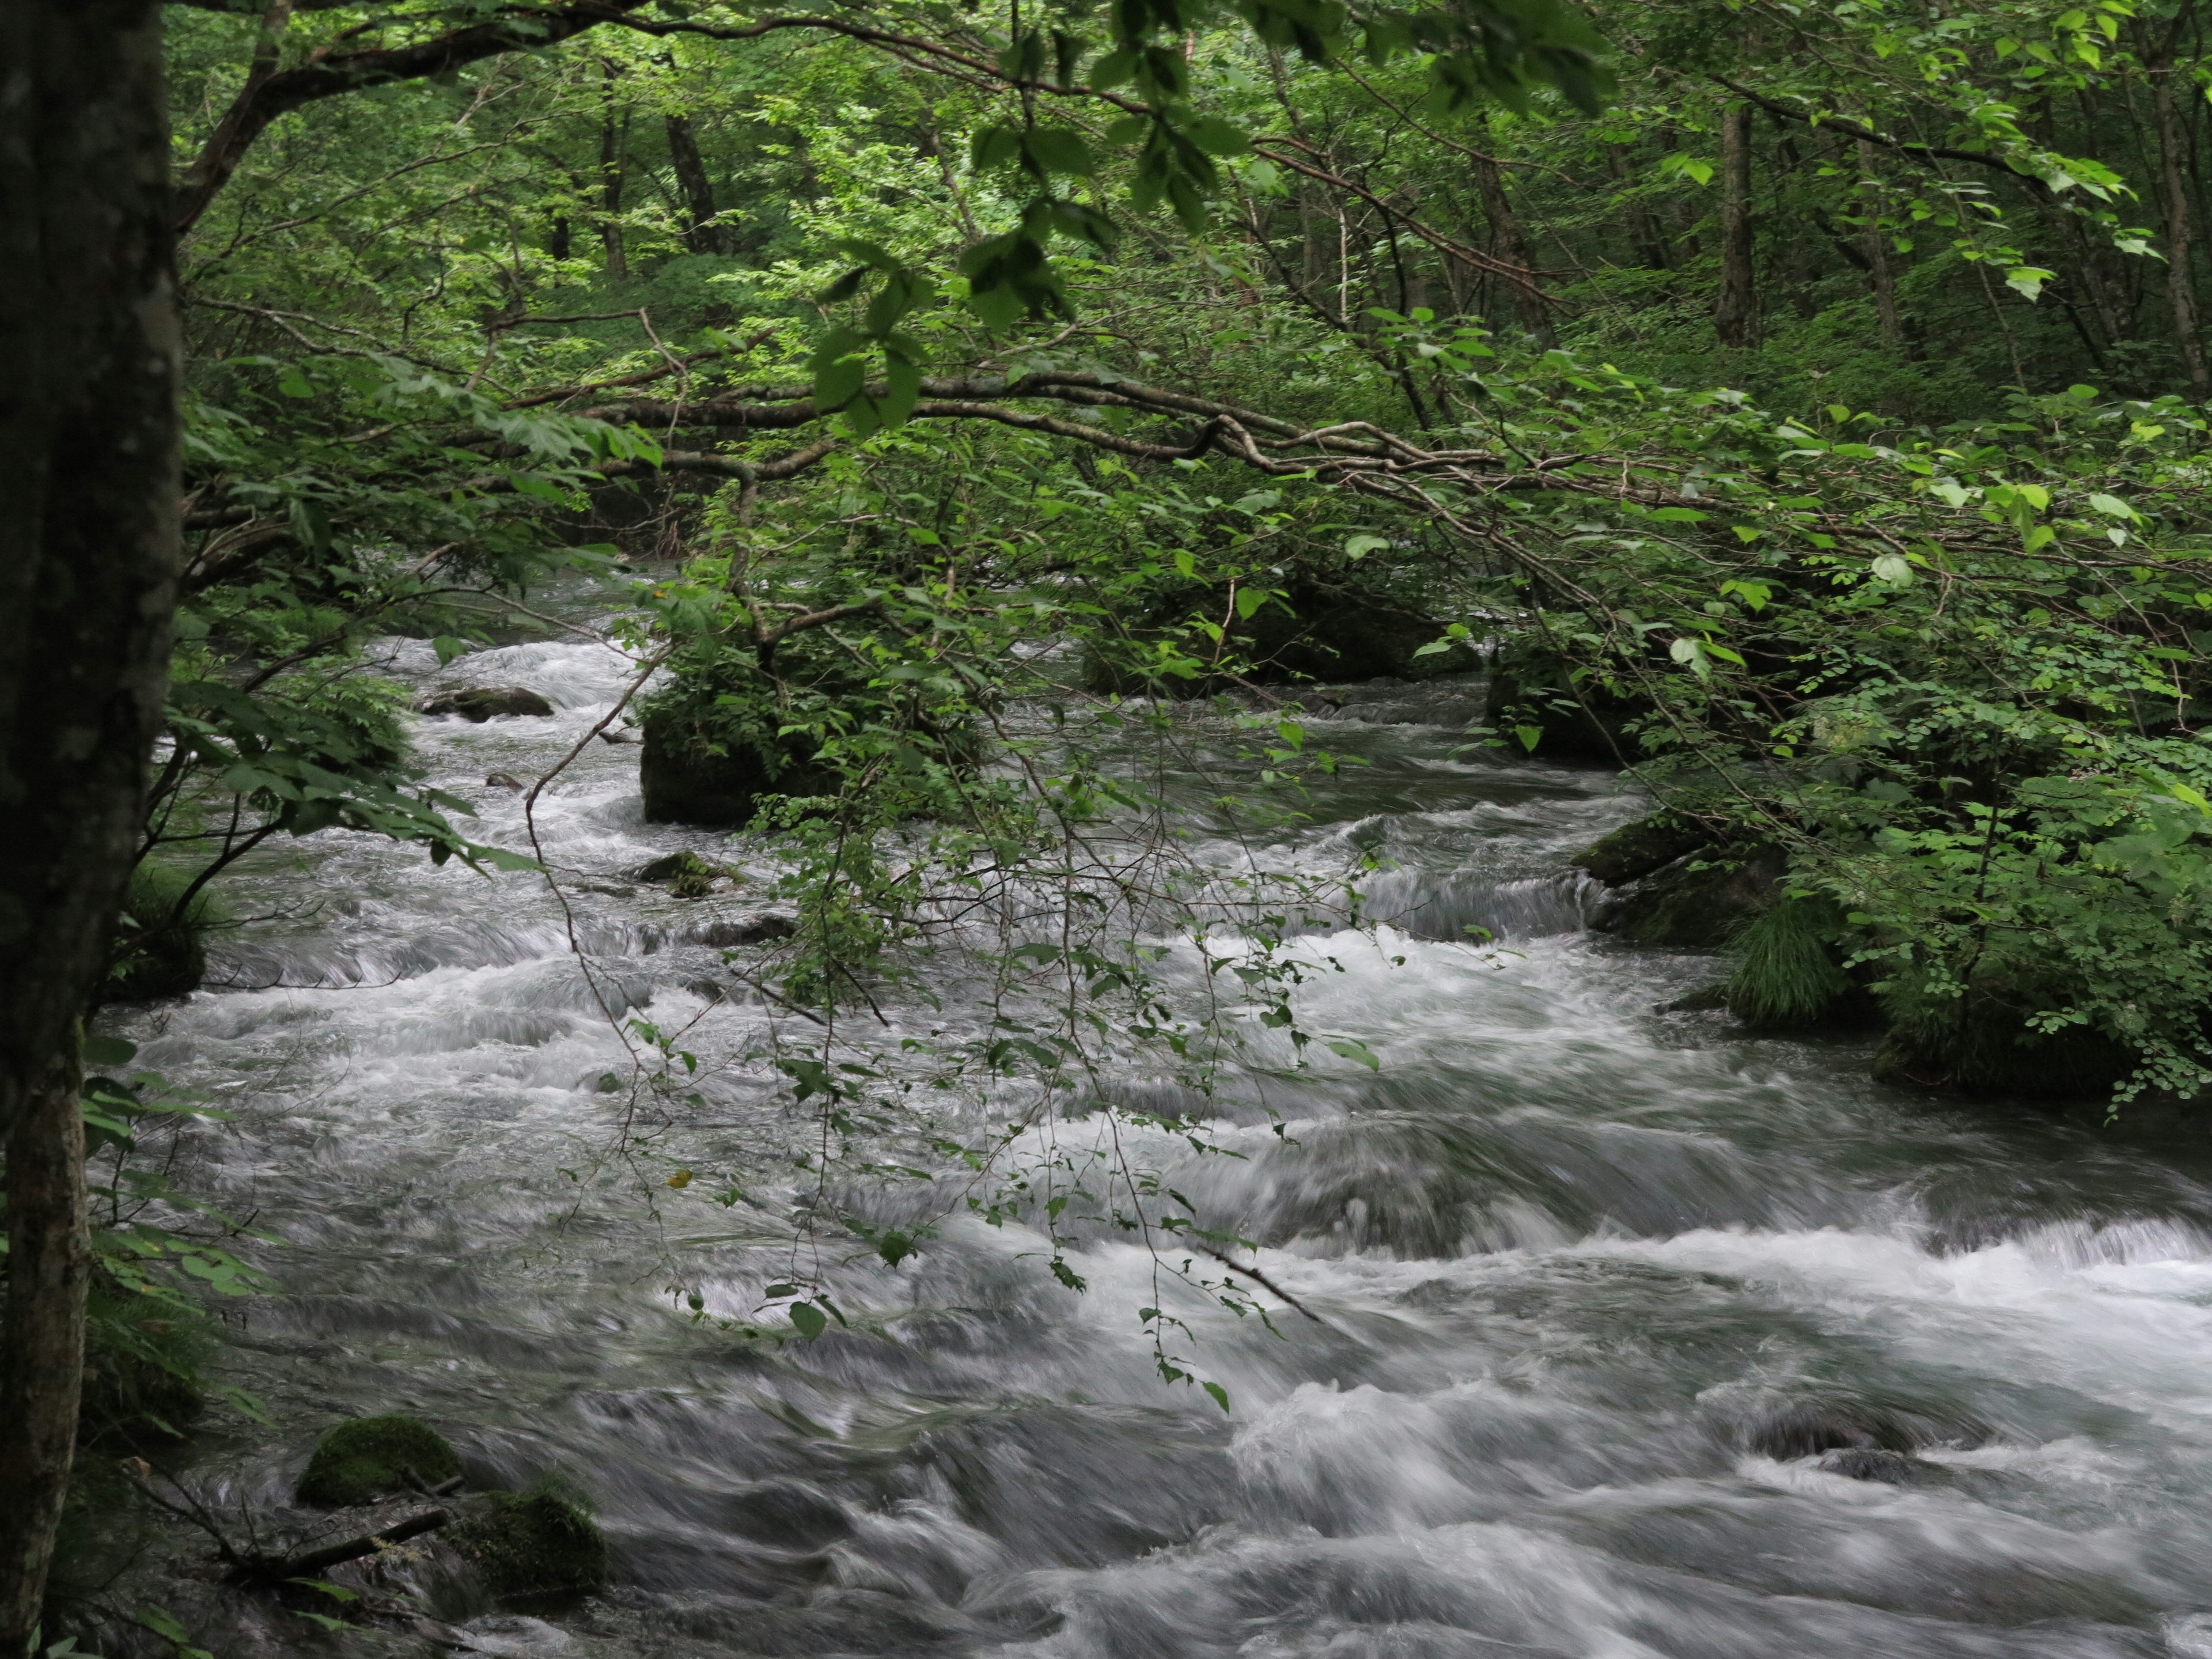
1812	402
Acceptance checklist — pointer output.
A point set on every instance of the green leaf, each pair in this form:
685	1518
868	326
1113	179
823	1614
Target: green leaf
1350	1049
1220	1394
808	1319
109	1051
1217	137
1359	546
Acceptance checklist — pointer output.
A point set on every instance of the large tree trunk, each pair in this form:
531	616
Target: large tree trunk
2173	150
89	498
1510	244
49	1263
702	235
1736	313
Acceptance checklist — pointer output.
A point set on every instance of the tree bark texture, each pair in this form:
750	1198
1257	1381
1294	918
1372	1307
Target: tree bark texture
49	1265
702	235
1643	235
89	521
1877	252
2173	153
1509	243
1735	312
614	143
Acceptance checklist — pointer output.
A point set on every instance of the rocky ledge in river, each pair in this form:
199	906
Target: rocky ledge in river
483	702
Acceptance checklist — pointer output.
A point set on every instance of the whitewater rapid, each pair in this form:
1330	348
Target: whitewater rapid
1559	1268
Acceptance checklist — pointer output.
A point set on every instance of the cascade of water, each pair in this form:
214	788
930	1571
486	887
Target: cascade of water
1594	1289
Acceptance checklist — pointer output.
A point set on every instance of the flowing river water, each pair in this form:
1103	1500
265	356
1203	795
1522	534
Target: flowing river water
1593	1286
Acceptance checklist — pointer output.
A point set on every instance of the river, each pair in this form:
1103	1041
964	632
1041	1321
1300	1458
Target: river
1581	1287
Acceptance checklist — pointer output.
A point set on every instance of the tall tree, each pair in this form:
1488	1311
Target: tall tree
88	425
2161	64
702	234
1735	312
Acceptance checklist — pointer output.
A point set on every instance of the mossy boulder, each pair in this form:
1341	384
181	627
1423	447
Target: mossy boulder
532	1543
1981	1043
368	1457
161	947
1329	636
1541	710
690	776
486	702
685	874
1698	901
1636	850
1670	882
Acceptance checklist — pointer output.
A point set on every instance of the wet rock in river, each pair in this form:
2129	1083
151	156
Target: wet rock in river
482	703
1864	1463
1331	634
504	781
1812	1428
685	874
1636	850
1668	883
370	1456
533	1543
688	778
1982	1043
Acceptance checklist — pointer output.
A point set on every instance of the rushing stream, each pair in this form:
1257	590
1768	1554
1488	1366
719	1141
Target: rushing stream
1593	1287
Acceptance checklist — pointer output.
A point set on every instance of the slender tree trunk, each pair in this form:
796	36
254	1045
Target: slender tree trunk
614	136
703	235
1643	238
1736	313
1687	247
88	493
1877	252
2180	235
1510	244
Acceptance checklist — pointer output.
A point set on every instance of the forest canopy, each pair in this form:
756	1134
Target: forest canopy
1804	408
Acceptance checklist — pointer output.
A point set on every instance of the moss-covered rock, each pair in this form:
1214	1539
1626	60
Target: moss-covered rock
690	776
532	1543
370	1456
1636	850
685	874
1330	635
1697	902
1982	1044
1538	709
161	947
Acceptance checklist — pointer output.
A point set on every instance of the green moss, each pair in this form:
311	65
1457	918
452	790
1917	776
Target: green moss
685	874
161	945
1695	903
1637	849
1787	973
533	1543
370	1456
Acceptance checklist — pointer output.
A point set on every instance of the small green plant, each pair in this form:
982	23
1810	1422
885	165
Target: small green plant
1787	971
